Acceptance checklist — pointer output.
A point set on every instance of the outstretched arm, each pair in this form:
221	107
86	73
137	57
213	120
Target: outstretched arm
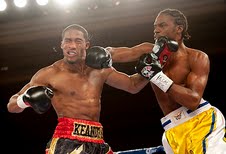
126	54
130	83
99	58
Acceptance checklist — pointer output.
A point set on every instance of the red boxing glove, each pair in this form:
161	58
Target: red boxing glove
163	48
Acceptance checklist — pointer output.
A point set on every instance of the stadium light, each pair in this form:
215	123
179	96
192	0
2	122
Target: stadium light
64	2
20	3
42	2
3	5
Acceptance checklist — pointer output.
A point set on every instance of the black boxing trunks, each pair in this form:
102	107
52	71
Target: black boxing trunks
75	136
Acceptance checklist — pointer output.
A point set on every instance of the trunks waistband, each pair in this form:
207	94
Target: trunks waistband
82	130
183	114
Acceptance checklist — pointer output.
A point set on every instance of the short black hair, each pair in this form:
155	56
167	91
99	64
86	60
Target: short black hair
79	28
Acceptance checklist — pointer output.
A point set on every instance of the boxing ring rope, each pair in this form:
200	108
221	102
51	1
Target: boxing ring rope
151	150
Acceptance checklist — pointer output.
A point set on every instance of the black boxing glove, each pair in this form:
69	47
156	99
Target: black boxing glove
163	48
37	97
146	66
151	69
97	57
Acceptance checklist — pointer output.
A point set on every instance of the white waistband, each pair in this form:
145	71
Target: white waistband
183	114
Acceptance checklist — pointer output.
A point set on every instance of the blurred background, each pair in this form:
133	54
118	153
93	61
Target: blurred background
30	35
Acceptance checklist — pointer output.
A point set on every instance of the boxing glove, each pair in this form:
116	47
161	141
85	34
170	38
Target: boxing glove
163	48
97	57
37	97
151	69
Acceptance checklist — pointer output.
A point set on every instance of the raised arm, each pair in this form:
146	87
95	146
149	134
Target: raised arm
34	94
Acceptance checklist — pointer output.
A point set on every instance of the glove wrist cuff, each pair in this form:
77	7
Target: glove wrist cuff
162	81
21	103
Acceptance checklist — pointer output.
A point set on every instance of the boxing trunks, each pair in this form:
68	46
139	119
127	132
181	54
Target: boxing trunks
194	132
74	136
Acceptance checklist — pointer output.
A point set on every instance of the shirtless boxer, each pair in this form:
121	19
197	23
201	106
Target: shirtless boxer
192	125
74	90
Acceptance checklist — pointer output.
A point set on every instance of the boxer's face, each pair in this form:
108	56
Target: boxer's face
164	26
74	46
